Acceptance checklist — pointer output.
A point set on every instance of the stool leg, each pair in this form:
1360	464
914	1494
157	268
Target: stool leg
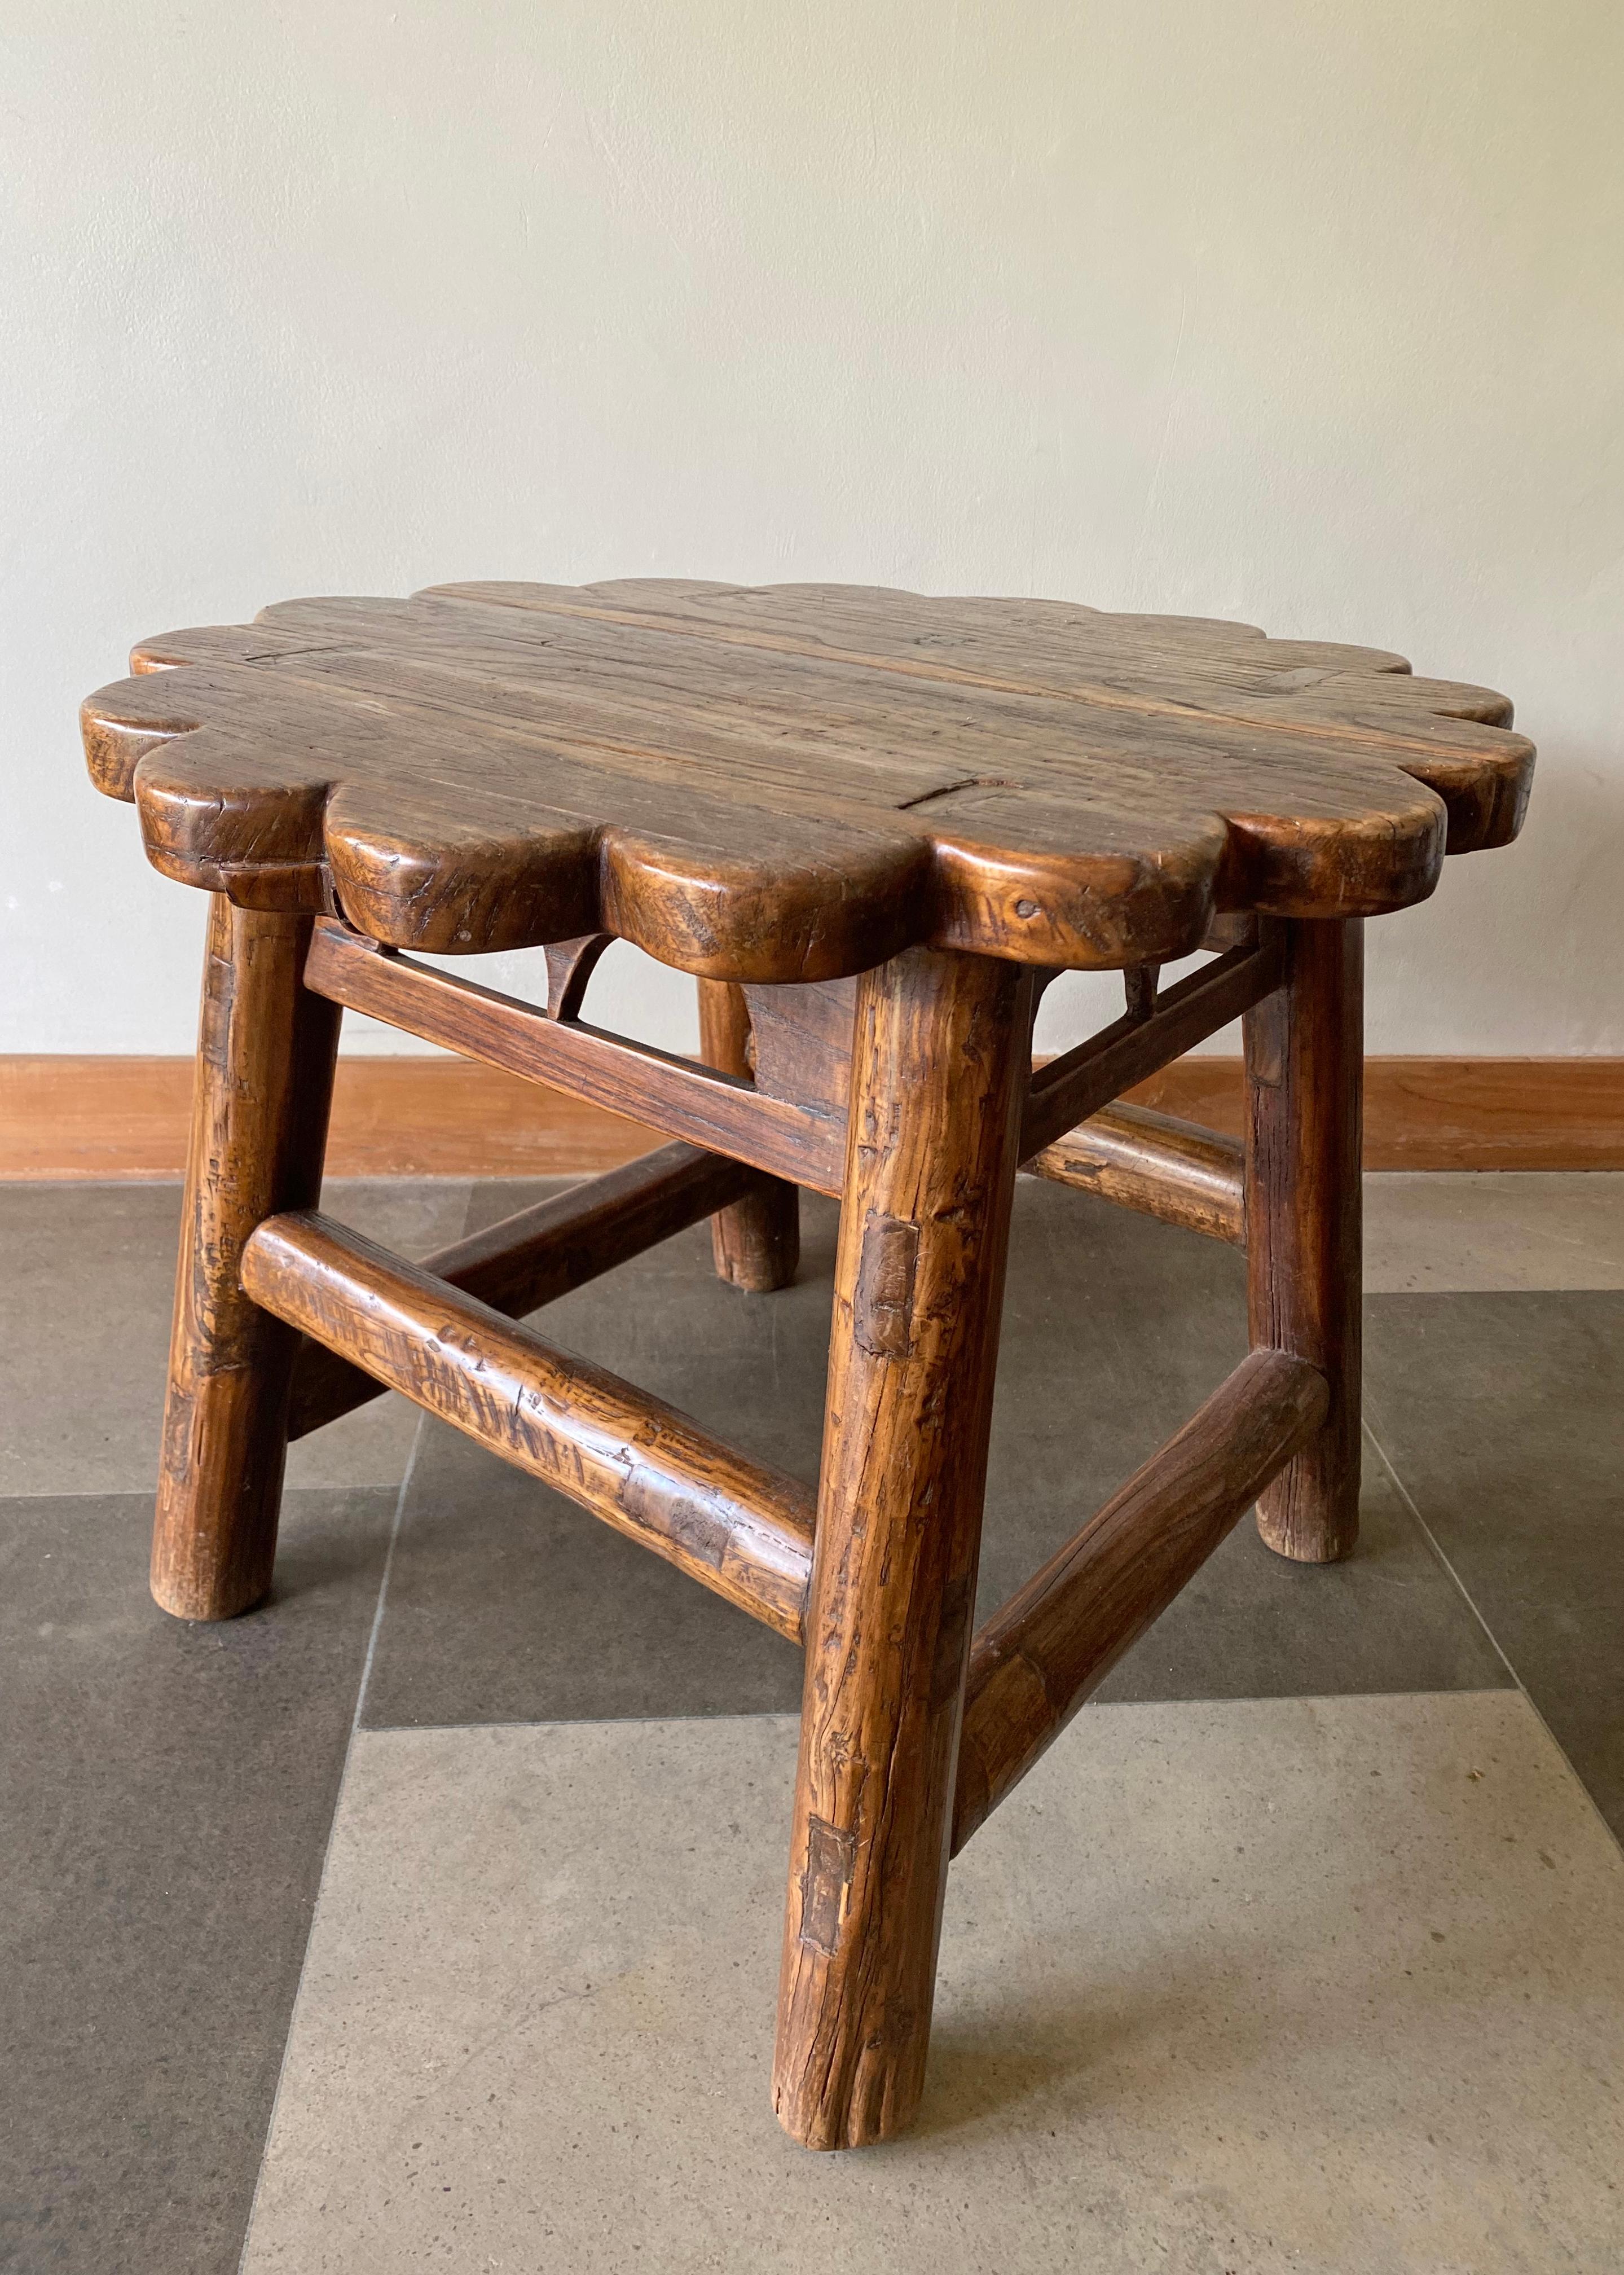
1304	1080
756	1242
264	1082
940	1060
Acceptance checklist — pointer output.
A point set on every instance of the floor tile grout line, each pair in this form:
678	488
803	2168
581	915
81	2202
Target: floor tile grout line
1430	1536
383	1584
1466	1597
327	1853
427	1729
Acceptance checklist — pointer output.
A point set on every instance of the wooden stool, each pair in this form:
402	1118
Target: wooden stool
874	826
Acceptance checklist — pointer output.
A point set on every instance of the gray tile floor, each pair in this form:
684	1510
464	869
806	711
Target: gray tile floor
1393	2040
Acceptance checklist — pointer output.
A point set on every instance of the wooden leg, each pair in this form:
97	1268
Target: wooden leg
1304	1079
756	1242
266	1049
939	1064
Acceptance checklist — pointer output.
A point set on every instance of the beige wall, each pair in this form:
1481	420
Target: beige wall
1307	312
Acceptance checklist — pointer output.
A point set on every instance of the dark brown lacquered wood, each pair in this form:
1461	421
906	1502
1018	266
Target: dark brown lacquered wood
801	1041
266	1051
1140	982
756	1241
721	1113
1037	1658
1151	1162
1305	1218
570	966
1067	1090
939	1058
793	785
541	1253
1158	666
874	826
738	1527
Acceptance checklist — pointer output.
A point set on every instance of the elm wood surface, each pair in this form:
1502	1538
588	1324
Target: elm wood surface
757	1240
1305	1218
1139	985
1040	1655
801	1041
938	1063
1157	666
265	1058
1152	1162
540	1253
801	1036
953	800
733	1524
797	783
570	966
722	1111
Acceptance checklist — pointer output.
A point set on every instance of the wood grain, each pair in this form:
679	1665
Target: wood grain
1038	1658
570	967
723	1113
533	1258
739	1528
795	785
756	1241
907	814
1305	1220
65	1116
938	1070
1161	667
1151	1162
801	1041
266	1050
802	1038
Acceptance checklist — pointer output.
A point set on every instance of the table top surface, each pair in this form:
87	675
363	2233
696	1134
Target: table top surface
793	783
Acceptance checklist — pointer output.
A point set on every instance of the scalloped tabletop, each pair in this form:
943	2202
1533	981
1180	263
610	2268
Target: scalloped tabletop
794	782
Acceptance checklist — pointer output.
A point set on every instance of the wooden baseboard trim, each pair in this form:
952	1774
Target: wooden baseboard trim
392	1117
64	1117
1443	1114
